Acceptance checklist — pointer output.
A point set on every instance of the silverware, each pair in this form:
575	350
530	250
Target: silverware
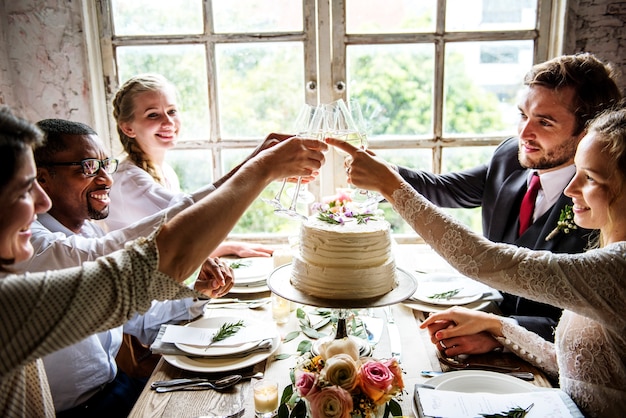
520	375
192	380
459	365
237	304
394	335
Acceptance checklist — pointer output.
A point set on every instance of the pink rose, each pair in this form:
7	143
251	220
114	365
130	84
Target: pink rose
398	382
376	380
305	381
330	402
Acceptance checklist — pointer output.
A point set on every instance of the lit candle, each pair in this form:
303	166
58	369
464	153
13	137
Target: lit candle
280	309
265	398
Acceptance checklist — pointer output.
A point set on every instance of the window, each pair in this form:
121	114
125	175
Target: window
437	79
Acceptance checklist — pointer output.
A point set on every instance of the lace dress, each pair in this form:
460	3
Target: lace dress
588	355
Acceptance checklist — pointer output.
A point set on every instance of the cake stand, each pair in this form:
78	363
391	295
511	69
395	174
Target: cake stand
279	282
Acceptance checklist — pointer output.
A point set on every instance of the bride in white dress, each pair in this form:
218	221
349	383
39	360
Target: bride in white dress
588	355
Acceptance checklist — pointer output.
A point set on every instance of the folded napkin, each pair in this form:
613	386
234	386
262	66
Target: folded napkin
160	347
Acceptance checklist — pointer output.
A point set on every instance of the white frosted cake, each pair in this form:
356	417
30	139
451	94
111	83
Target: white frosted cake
344	261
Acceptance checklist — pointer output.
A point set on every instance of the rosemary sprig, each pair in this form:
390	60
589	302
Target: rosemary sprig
237	264
446	295
227	330
517	412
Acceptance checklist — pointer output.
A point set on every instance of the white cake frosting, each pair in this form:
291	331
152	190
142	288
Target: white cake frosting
346	261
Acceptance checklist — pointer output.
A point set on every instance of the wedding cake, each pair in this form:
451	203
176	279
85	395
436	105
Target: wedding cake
351	259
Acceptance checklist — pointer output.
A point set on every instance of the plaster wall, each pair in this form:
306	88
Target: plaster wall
44	63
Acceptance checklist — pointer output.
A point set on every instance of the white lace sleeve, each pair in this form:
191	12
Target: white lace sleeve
530	347
589	284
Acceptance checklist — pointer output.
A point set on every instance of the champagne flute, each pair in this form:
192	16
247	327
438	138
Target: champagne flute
304	129
363	127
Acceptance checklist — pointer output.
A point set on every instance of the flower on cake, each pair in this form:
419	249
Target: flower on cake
341	208
337	383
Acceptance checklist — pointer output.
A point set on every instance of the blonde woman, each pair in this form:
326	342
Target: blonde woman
149	124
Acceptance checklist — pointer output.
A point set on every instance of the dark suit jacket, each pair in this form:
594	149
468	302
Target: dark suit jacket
498	187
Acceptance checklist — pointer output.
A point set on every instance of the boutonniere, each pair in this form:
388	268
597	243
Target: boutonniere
565	223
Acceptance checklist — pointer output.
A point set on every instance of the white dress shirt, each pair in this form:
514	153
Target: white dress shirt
135	194
75	373
552	185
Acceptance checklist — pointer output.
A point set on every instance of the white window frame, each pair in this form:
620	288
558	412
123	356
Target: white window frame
325	72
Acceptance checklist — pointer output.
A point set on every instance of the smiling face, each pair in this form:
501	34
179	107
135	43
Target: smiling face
156	123
595	191
75	196
546	139
21	199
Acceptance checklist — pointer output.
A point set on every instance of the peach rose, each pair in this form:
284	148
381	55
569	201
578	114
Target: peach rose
330	402
398	382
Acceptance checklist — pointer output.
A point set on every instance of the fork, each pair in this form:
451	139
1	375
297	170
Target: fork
459	365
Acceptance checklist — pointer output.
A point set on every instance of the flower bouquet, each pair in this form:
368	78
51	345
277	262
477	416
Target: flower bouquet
341	208
338	384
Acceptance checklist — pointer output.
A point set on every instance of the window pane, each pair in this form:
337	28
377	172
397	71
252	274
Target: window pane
398	79
184	66
395	16
157	17
259	87
240	16
260	216
484	15
482	81
193	167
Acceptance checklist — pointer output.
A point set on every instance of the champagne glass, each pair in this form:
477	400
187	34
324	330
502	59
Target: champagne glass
304	128
363	127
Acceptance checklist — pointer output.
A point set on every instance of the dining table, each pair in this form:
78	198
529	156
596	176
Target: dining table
416	352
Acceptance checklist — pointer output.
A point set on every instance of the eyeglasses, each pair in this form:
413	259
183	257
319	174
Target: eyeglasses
91	166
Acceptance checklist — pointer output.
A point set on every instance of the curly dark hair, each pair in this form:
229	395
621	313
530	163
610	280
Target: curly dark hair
593	81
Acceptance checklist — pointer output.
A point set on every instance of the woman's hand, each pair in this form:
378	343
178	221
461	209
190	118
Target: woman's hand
460	330
215	279
367	171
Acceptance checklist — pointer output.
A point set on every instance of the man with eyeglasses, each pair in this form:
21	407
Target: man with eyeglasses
74	170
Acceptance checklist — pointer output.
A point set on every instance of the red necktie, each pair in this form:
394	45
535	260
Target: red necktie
528	204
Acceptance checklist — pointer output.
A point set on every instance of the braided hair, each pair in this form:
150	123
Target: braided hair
124	111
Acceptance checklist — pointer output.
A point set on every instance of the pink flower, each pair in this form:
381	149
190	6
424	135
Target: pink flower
305	381
330	402
376	380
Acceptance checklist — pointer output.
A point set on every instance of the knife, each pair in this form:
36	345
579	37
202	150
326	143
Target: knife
394	335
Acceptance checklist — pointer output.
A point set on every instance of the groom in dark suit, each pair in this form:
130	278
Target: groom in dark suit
561	96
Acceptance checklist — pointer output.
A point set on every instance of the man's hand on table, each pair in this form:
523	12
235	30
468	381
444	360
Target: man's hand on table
215	279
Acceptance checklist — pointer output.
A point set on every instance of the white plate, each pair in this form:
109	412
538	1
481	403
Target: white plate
246	290
219	350
479	305
219	364
430	284
252	269
471	381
